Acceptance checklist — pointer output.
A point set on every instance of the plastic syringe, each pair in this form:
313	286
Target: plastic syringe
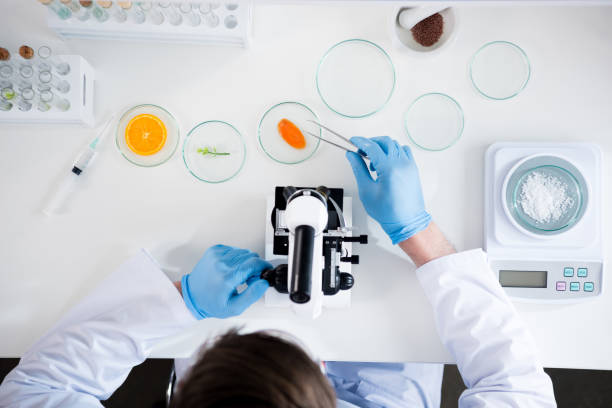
83	160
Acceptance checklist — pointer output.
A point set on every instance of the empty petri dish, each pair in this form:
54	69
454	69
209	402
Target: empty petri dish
147	135
273	143
500	70
214	151
355	78
545	195
434	121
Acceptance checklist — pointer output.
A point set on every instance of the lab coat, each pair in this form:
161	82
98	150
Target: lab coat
90	351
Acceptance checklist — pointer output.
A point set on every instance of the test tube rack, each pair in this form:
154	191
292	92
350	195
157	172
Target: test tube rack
81	98
233	28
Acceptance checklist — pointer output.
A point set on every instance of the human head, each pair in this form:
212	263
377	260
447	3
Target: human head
254	370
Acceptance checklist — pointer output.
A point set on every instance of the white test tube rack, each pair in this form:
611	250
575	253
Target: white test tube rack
81	97
234	28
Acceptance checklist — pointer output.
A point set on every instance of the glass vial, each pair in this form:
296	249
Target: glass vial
153	14
173	16
62	11
73	5
61	66
85	12
60	84
191	17
134	13
99	10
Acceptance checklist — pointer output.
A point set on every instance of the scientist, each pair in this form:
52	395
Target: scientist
90	351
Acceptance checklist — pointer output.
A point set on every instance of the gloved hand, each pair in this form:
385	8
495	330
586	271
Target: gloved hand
210	289
395	198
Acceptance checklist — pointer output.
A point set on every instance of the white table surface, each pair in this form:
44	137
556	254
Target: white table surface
48	264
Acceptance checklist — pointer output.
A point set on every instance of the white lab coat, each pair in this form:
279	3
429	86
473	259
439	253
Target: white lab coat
90	351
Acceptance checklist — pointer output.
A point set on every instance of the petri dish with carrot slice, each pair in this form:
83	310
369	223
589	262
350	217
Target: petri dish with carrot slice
282	132
147	135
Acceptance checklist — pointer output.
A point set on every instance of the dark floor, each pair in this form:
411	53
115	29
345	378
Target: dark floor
146	386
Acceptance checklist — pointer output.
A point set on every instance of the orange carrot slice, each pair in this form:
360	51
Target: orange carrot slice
291	134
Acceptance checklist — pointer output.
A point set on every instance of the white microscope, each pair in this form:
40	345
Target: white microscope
310	235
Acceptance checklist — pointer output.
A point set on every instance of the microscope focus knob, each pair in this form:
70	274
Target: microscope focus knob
354	259
346	281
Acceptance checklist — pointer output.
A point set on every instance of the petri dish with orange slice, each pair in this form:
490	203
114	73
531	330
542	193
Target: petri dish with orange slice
147	135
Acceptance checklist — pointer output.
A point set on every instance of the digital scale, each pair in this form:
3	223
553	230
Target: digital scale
562	266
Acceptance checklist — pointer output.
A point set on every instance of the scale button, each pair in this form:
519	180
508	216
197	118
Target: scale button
568	272
574	286
588	286
582	272
561	285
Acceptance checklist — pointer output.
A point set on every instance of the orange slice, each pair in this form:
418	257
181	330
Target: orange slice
291	134
145	134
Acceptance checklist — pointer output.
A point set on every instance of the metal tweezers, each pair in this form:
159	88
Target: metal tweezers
358	151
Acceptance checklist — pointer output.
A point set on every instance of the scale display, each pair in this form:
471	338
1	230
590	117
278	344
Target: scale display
523	279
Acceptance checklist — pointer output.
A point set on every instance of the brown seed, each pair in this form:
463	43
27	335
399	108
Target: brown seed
86	3
427	32
26	52
5	55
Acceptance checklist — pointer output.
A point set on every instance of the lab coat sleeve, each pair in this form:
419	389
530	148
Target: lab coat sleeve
91	350
479	326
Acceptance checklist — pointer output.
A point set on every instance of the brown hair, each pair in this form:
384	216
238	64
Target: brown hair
254	370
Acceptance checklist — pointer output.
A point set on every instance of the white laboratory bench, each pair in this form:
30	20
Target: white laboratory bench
48	263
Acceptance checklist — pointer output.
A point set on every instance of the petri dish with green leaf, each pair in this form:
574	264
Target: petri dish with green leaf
214	151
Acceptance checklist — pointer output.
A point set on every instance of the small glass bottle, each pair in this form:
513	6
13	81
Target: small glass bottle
60	103
117	12
153	14
6	67
62	11
85	11
45	54
211	19
24	99
42	100
5	105
99	10
173	16
73	5
191	17
134	13
60	84
8	93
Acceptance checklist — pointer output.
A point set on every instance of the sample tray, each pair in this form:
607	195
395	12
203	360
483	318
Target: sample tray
81	97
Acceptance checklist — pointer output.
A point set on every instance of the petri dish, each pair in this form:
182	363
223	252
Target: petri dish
434	121
355	78
275	146
553	168
169	147
500	70
214	151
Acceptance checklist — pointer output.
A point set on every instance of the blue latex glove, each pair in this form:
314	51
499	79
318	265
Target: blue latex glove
210	289
395	198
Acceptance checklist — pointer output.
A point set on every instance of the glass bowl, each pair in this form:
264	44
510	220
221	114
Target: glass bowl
434	121
555	170
355	78
500	70
172	137
214	151
275	146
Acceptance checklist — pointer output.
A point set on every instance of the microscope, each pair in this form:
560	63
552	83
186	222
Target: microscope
309	229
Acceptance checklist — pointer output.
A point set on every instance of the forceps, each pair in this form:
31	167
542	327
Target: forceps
359	151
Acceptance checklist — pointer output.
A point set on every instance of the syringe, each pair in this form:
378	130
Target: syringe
80	164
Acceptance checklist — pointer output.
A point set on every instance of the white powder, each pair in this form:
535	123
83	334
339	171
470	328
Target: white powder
544	197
